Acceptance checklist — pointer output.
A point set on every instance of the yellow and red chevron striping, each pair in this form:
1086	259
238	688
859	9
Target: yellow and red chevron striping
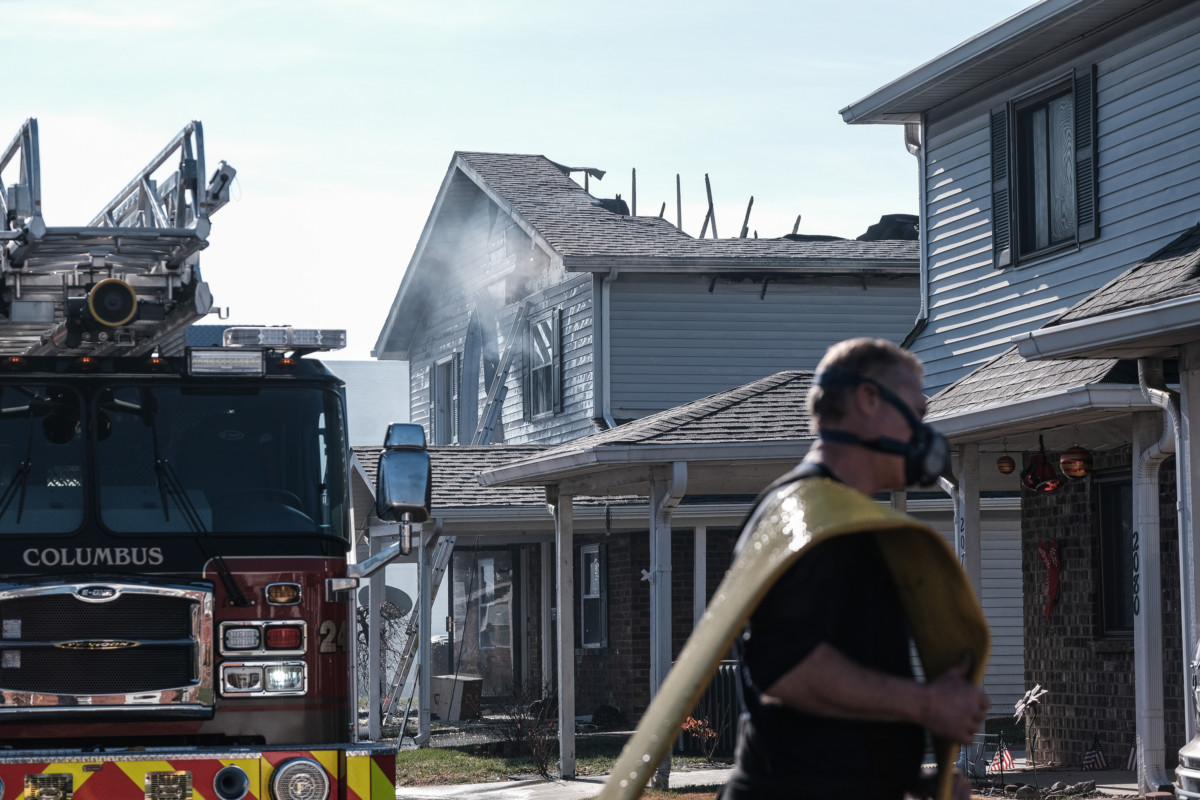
366	776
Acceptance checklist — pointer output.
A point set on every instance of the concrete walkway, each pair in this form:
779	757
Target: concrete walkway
579	789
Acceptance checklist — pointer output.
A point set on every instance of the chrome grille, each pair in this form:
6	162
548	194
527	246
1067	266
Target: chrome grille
144	647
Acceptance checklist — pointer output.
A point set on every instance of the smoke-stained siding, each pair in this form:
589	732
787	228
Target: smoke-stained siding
674	341
573	299
1148	109
480	256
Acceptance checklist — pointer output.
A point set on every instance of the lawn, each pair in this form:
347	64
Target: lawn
594	755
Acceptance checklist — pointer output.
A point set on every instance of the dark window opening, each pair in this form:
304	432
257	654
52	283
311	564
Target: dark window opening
1114	520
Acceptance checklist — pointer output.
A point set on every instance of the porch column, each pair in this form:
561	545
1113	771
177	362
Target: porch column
564	537
425	590
1147	599
967	524
700	570
665	494
547	571
1189	495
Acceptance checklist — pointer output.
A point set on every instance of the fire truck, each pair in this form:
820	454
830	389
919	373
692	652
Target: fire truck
177	575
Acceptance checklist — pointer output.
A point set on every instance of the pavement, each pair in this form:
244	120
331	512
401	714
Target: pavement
1111	783
578	789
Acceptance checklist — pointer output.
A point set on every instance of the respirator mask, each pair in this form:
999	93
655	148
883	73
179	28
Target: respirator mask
926	455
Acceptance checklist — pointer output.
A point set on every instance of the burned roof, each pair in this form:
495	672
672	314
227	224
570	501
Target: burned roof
579	227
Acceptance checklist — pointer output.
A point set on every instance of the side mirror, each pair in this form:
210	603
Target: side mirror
404	480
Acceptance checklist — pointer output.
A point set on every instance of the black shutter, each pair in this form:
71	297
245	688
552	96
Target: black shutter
1001	203
1087	215
433	433
527	371
556	378
455	383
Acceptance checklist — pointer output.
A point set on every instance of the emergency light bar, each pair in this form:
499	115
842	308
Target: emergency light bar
285	337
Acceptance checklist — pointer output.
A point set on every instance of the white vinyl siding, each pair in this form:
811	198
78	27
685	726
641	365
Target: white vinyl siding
1002	601
673	341
1148	109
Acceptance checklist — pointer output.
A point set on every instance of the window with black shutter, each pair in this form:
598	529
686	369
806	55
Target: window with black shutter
1044	171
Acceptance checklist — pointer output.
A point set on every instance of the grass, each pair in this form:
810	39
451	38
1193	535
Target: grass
594	755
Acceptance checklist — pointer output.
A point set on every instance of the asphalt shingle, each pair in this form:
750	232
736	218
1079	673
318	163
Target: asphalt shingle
576	226
1009	378
1171	273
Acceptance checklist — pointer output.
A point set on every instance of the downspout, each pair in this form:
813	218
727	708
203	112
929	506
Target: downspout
604	361
912	141
1147	626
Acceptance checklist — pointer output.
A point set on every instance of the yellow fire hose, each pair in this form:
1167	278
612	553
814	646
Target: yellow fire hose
943	613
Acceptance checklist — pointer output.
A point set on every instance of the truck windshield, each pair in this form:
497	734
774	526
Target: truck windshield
220	460
41	458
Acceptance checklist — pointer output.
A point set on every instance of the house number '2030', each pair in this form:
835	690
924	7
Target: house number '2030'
333	636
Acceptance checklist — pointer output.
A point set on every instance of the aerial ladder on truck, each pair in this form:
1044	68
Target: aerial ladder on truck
176	578
124	282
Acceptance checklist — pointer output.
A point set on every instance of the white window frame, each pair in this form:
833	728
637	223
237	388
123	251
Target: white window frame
593	595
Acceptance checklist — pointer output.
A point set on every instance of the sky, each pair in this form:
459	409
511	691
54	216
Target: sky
341	118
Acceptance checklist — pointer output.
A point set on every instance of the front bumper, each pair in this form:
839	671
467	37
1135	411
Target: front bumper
366	771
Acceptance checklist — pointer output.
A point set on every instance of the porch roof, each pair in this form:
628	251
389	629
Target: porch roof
1020	399
731	443
1148	311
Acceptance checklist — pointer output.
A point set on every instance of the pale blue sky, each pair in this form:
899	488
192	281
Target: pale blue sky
341	117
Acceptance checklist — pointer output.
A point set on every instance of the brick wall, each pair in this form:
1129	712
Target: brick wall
1090	675
619	675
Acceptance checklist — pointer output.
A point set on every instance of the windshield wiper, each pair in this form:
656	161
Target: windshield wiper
20	479
169	486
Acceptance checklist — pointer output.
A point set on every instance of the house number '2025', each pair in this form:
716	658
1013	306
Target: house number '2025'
333	636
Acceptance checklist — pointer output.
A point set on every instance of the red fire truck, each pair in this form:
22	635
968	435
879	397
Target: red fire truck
176	585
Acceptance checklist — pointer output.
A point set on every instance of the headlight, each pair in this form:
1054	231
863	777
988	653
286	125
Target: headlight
300	779
264	678
241	638
285	678
241	679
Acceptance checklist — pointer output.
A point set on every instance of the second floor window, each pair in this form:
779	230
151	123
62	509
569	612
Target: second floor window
1043	154
443	400
544	384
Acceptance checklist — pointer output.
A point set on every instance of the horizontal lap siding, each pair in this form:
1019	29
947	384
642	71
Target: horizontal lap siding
574	298
473	248
673	341
1000	552
1149	164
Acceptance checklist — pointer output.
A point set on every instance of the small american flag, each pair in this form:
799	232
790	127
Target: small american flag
1131	761
1003	759
1094	757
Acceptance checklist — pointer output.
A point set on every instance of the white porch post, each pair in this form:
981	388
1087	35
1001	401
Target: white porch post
547	617
1147	606
700	570
665	494
564	536
1189	494
971	529
425	590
